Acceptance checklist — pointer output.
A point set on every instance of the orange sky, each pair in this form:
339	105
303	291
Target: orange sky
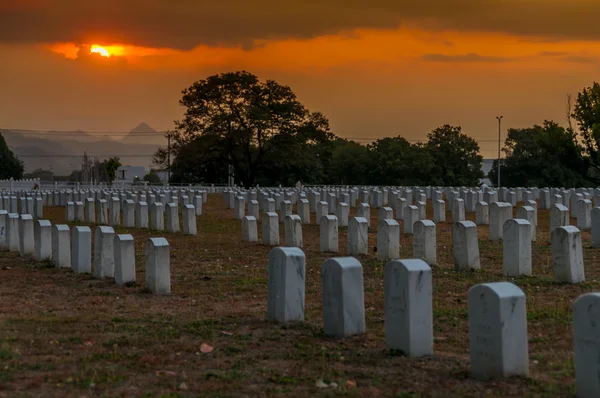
375	68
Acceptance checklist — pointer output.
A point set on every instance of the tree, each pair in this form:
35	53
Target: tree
242	115
395	161
457	158
587	115
10	165
199	161
110	169
303	155
541	156
152	178
349	164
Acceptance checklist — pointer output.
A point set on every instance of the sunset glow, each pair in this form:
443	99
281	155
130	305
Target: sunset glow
99	50
374	69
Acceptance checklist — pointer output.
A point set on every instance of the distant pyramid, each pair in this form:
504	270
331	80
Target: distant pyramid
144	134
143	128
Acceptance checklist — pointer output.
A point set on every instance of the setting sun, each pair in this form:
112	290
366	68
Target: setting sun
99	50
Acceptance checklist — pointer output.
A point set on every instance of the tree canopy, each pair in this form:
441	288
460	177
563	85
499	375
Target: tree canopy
542	156
258	132
10	165
457	158
587	115
110	169
152	178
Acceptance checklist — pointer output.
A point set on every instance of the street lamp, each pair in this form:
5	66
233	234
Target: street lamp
499	143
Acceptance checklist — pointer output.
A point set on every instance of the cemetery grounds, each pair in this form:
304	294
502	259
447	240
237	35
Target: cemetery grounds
69	335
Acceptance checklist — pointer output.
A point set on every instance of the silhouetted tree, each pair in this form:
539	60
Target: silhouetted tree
10	165
457	158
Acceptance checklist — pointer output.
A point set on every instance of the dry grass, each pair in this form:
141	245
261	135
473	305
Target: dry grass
67	335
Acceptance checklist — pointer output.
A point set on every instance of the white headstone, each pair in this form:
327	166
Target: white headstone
254	209
388	239
43	240
424	241
270	229
198	201
304	211
70	211
364	211
516	250
498	330
358	236
386	213
90	211
157	220
239	207
343	212
293	230
482	213
559	216
500	212
124	257
411	215
286	284
595	216
104	256
329	234
343	297
583	213
408	307
26	236
81	253
322	210
567	255
458	210
189	220
249	229
465	245
158	266
586	336
172	213
439	211
528	213
115	211
12	232
129	214
61	246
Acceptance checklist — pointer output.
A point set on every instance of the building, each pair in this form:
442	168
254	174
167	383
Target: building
127	174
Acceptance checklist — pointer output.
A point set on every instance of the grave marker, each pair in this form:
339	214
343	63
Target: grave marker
287	269
343	297
408	307
498	330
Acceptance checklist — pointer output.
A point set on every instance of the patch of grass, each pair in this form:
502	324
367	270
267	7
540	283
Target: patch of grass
201	328
65	334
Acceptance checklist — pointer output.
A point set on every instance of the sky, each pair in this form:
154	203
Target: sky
374	68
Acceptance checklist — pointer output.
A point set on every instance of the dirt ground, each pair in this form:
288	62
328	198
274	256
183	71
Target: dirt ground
69	335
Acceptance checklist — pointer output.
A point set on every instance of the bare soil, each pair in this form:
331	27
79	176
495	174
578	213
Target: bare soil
69	335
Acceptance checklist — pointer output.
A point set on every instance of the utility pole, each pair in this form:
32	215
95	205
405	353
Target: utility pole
168	159
499	144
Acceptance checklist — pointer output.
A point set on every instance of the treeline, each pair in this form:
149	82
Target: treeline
261	134
550	155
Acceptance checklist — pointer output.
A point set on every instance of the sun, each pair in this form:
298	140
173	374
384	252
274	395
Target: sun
99	50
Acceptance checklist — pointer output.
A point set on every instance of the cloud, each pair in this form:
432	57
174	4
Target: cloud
580	59
553	53
471	57
186	24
